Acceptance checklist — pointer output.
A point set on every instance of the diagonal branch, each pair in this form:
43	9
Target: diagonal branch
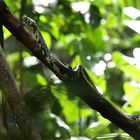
81	86
85	89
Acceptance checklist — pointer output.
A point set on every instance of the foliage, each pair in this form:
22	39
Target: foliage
103	38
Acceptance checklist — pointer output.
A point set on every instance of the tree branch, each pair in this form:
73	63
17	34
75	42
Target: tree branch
85	89
15	101
82	86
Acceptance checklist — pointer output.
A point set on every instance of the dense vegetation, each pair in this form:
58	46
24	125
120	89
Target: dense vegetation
103	36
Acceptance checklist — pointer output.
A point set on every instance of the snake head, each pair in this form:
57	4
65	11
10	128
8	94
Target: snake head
27	21
24	19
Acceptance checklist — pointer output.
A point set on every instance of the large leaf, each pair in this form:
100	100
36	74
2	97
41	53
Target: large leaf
128	69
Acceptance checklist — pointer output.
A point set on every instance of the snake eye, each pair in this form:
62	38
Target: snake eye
24	18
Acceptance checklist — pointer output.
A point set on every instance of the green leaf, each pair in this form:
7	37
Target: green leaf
111	21
122	64
132	95
71	108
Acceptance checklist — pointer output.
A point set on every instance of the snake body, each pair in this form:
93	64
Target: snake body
55	65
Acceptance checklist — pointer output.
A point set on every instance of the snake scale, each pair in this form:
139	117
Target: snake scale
61	70
58	67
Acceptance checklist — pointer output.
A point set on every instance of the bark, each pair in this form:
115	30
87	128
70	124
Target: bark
15	101
82	86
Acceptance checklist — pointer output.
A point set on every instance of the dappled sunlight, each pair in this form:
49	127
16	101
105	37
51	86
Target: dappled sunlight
136	54
40	5
135	60
30	61
130	60
133	24
82	7
60	121
99	68
79	138
88	58
131	12
107	57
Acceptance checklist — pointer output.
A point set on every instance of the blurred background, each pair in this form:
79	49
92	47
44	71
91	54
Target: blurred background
103	36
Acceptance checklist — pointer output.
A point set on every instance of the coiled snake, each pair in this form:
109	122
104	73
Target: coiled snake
62	71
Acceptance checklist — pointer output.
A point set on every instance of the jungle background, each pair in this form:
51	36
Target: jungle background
103	36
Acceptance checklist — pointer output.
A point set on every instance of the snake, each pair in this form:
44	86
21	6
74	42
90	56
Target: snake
61	70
